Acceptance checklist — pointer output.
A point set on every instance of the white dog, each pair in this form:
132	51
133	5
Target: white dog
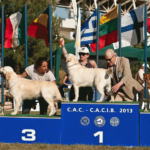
81	76
21	89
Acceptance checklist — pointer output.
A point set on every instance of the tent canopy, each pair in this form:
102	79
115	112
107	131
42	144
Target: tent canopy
129	52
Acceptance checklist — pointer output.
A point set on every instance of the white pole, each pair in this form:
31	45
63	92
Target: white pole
95	4
75	9
134	6
78	35
115	2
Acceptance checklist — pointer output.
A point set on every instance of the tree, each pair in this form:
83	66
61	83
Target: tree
85	12
36	47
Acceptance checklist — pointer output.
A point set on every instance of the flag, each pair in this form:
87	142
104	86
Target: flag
148	25
88	30
39	28
77	42
15	30
108	29
132	28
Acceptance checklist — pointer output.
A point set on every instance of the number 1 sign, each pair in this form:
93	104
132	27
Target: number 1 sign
106	124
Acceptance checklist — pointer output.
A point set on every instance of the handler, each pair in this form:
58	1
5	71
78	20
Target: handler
124	86
38	71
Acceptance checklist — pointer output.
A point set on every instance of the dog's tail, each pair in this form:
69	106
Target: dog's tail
58	97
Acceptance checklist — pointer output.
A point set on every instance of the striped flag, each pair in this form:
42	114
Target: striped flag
39	28
132	28
88	30
108	29
15	30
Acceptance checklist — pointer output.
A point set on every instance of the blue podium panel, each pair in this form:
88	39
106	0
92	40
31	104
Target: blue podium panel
106	124
144	129
30	130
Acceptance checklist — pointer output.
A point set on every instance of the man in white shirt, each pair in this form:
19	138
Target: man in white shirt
141	72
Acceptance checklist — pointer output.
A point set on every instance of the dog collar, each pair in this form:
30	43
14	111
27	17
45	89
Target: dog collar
73	65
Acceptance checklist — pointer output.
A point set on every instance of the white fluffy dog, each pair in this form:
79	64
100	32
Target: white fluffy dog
21	89
81	76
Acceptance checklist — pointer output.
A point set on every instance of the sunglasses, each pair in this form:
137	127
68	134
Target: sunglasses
82	54
109	59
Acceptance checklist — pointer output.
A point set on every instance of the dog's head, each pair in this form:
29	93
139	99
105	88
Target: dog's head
146	77
6	71
71	59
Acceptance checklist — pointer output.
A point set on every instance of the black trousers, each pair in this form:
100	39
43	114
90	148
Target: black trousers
83	93
29	103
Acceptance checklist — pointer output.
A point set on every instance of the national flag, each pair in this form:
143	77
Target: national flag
15	30
77	42
39	28
108	29
88	30
132	28
148	25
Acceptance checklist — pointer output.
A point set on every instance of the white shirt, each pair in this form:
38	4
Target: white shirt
34	75
141	72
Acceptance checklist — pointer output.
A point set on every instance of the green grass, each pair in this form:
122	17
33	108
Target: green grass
32	115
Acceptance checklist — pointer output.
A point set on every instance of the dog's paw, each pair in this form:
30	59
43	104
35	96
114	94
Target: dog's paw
66	100
13	113
75	100
111	101
53	113
99	101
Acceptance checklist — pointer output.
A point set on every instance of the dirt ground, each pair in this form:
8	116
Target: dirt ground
17	146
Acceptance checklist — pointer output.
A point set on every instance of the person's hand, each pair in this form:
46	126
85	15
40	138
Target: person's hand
116	87
93	63
62	42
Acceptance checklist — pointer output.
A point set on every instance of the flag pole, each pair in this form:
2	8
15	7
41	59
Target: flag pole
50	37
26	40
97	41
2	78
145	24
97	33
119	28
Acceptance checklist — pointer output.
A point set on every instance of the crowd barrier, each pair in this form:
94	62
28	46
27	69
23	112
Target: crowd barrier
113	124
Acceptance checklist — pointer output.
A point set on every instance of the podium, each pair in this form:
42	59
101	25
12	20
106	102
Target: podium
30	130
144	128
91	123
110	124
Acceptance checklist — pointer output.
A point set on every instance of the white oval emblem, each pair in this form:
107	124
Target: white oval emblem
114	121
85	121
99	121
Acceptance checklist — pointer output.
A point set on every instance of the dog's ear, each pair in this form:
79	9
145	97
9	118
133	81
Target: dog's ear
109	71
7	76
75	59
68	60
